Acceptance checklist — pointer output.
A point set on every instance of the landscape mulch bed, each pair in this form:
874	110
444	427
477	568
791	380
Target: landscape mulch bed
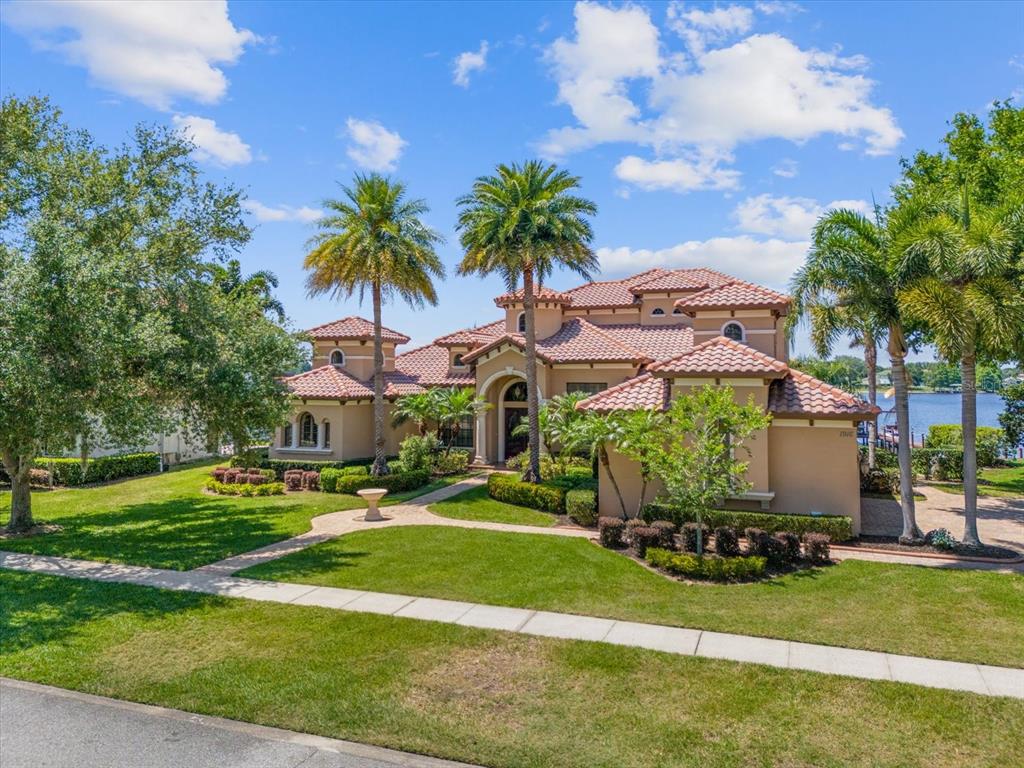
891	544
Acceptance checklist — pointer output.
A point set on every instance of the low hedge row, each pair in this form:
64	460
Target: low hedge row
335	480
709	567
244	489
837	527
280	466
68	471
511	490
581	506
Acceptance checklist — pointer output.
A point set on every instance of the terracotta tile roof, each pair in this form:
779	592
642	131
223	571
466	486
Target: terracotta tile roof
682	280
543	294
609	293
735	295
644	391
658	342
578	340
354	328
473	336
721	356
331	383
428	366
803	395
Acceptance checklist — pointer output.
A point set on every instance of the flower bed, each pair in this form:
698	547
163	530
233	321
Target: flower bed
710	567
244	489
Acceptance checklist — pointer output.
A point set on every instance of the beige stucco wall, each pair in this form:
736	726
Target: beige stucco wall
627	475
606	316
547	318
351	432
358	356
558	377
762	329
664	302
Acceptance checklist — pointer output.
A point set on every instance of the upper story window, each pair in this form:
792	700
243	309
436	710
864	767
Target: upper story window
307	431
677	311
733	331
521	322
337	357
657	312
457	361
516	393
586	387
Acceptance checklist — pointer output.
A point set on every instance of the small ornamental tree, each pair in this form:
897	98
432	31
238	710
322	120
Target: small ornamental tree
639	439
703	435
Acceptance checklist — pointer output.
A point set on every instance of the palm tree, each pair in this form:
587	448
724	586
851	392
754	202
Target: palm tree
420	408
259	285
851	274
593	433
452	405
521	223
967	290
374	239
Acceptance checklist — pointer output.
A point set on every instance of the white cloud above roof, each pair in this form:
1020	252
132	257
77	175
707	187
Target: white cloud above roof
468	62
372	146
789	217
155	52
678	175
213	144
281	212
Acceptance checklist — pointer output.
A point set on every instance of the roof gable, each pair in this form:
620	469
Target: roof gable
735	295
354	328
721	356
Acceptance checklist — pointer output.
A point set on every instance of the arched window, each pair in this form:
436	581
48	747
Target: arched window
516	393
307	431
337	357
657	312
677	311
457	361
327	433
286	436
733	331
521	322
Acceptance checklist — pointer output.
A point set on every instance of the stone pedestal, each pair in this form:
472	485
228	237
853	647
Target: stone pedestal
373	497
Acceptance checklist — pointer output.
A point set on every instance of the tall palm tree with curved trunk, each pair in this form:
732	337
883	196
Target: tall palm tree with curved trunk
522	222
373	239
850	282
966	287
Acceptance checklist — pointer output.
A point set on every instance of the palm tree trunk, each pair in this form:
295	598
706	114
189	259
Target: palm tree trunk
643	493
969	424
380	462
532	474
871	360
18	468
897	354
602	453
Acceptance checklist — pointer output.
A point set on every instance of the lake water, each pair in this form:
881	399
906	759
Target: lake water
928	409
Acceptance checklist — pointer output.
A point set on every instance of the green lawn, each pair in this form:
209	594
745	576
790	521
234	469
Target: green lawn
1000	482
962	615
475	504
167	520
484	697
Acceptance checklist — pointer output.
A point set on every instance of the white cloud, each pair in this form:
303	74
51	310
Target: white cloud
783	8
623	84
155	51
678	175
213	144
766	262
281	212
373	146
789	217
467	62
787	168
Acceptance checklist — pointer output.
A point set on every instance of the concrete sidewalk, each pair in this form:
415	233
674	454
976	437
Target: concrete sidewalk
45	726
870	665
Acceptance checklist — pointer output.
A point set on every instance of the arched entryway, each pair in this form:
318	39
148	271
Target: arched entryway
512	413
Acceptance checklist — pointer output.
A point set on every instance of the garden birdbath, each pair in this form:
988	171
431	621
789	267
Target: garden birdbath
373	497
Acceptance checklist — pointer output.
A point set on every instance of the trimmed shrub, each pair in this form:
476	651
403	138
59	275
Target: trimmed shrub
581	506
816	546
709	567
218	473
840	528
941	538
398	482
990	442
666	533
509	489
454	462
269	475
68	471
631	525
38	476
689	531
244	489
311	481
938	463
232	475
645	536
417	452
610	532
758	542
727	541
788	545
255	478
280	466
329	476
293	479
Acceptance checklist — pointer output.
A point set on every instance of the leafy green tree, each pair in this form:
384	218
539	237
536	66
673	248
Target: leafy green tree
107	325
521	223
1012	417
704	431
374	240
941	376
259	285
990	377
558	421
639	438
851	277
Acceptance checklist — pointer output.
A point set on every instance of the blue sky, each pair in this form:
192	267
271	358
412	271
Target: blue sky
708	134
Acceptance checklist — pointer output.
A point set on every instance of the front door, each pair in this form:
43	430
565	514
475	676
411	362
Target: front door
514	444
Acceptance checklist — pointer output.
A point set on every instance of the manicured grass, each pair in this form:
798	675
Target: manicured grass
961	615
475	504
999	482
483	697
167	520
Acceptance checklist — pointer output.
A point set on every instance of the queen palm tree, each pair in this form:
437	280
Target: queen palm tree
966	288
228	279
453	405
521	223
374	240
849	282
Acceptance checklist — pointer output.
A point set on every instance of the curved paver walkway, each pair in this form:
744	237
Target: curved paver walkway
870	665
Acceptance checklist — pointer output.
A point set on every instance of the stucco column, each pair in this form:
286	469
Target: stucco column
320	435
295	434
480	438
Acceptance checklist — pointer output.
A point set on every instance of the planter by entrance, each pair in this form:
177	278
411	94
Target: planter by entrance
373	497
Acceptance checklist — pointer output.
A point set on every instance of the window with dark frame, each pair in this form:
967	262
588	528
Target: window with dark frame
337	357
586	387
465	437
733	331
307	431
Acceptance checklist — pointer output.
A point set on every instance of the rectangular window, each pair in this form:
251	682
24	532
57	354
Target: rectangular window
588	388
465	436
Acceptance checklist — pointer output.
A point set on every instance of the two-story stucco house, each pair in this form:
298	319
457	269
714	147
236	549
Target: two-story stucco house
630	343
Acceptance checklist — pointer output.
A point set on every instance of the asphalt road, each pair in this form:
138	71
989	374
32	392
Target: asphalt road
43	727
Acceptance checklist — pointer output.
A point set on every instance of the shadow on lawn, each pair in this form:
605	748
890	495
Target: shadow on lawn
42	609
